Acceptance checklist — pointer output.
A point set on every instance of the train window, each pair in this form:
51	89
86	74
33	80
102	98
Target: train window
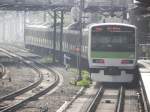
40	42
34	33
64	46
31	33
44	43
51	43
83	48
113	41
71	46
45	40
149	26
48	44
57	45
67	46
41	34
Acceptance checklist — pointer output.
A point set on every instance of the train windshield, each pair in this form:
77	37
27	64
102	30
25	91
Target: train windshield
113	41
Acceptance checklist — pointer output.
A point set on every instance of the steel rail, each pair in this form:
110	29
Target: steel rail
18	105
40	93
3	72
96	100
143	98
98	97
21	91
120	101
25	89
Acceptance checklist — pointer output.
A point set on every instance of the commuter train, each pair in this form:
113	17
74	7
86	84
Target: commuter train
109	48
112	52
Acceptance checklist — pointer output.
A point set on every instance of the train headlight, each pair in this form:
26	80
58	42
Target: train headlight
126	61
102	61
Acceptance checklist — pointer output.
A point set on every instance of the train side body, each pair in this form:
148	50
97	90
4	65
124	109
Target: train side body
105	65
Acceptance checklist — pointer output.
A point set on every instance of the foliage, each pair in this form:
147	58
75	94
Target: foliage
85	75
83	82
85	79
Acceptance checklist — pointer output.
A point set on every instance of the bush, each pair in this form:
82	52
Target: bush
85	78
85	75
84	83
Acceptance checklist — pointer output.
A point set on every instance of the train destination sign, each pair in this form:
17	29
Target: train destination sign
112	28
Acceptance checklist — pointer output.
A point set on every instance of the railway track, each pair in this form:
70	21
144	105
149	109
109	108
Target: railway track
114	99
2	71
48	79
108	100
131	101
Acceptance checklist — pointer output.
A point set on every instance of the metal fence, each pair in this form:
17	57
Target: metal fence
144	51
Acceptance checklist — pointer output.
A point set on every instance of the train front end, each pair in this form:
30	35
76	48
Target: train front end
112	52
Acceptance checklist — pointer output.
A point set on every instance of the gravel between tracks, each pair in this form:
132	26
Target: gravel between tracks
55	100
21	76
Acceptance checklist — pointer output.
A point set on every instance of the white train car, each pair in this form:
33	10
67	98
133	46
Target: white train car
112	52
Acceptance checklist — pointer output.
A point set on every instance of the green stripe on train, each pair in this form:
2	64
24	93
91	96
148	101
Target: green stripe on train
127	55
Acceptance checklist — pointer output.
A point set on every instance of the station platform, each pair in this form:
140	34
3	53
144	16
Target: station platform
145	82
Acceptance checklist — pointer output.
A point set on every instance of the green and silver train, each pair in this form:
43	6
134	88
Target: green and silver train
112	52
108	48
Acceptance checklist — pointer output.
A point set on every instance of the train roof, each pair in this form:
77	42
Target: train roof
103	24
37	26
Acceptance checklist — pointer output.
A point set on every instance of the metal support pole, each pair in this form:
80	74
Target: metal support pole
4	23
112	12
24	28
54	38
45	17
61	37
80	45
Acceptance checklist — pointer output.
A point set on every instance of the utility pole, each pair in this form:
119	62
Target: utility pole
112	11
61	36
81	36
4	24
24	24
54	37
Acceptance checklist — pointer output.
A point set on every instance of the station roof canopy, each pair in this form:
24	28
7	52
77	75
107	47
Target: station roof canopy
34	4
143	7
144	3
96	5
